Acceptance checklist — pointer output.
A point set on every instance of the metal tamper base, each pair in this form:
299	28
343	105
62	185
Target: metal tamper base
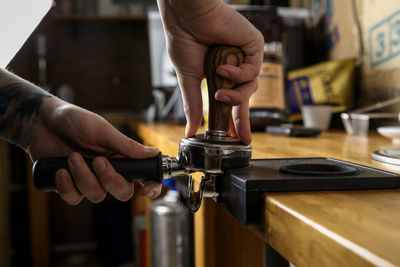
214	151
212	156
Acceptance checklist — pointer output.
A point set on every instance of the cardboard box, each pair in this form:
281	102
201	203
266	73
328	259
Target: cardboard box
370	31
381	34
380	85
340	26
380	24
342	31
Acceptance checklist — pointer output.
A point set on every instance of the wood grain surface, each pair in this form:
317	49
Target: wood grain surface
219	112
38	223
5	227
332	228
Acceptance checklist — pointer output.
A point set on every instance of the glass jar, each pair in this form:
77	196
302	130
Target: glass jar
267	104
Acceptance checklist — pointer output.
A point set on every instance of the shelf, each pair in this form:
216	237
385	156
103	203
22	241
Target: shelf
87	17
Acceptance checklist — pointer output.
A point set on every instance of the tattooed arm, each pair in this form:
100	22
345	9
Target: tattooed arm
45	126
19	105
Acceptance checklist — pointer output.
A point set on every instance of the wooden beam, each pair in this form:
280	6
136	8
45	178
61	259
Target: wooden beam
38	223
5	231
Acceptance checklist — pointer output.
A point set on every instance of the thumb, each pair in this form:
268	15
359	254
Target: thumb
125	146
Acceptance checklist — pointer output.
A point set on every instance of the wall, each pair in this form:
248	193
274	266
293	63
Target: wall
106	62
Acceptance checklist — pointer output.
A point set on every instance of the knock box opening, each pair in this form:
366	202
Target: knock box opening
321	170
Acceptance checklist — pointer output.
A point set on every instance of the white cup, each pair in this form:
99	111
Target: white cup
317	116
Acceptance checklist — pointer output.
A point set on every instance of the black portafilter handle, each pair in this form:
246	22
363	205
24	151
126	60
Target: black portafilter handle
150	169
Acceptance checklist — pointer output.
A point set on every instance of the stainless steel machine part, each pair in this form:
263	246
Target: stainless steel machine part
170	232
172	168
210	155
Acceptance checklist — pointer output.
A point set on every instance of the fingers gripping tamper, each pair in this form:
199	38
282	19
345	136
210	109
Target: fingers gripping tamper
215	150
212	152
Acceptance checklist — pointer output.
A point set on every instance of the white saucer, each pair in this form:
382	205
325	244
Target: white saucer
392	132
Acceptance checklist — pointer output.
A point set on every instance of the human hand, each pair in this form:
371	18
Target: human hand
191	27
63	129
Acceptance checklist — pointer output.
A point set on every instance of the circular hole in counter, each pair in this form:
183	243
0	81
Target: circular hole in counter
321	170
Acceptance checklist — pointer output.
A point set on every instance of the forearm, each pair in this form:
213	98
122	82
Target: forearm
20	102
208	22
181	12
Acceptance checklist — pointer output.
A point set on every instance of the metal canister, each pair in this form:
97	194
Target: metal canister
171	232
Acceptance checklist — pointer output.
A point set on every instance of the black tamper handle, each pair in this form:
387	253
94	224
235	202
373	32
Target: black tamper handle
150	169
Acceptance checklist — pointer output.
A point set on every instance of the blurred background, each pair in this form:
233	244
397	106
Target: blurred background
109	56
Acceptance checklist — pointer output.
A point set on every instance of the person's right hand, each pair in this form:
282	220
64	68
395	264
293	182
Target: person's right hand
191	27
62	129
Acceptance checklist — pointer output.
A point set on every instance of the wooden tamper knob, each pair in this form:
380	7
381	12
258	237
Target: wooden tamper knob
219	112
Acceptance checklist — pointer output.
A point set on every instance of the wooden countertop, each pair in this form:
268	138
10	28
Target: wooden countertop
349	228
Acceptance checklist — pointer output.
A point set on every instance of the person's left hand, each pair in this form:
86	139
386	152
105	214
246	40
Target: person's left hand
62	129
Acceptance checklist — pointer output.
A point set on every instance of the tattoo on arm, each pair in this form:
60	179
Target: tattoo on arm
19	105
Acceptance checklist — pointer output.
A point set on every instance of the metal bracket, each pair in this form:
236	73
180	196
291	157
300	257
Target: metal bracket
195	197
206	189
